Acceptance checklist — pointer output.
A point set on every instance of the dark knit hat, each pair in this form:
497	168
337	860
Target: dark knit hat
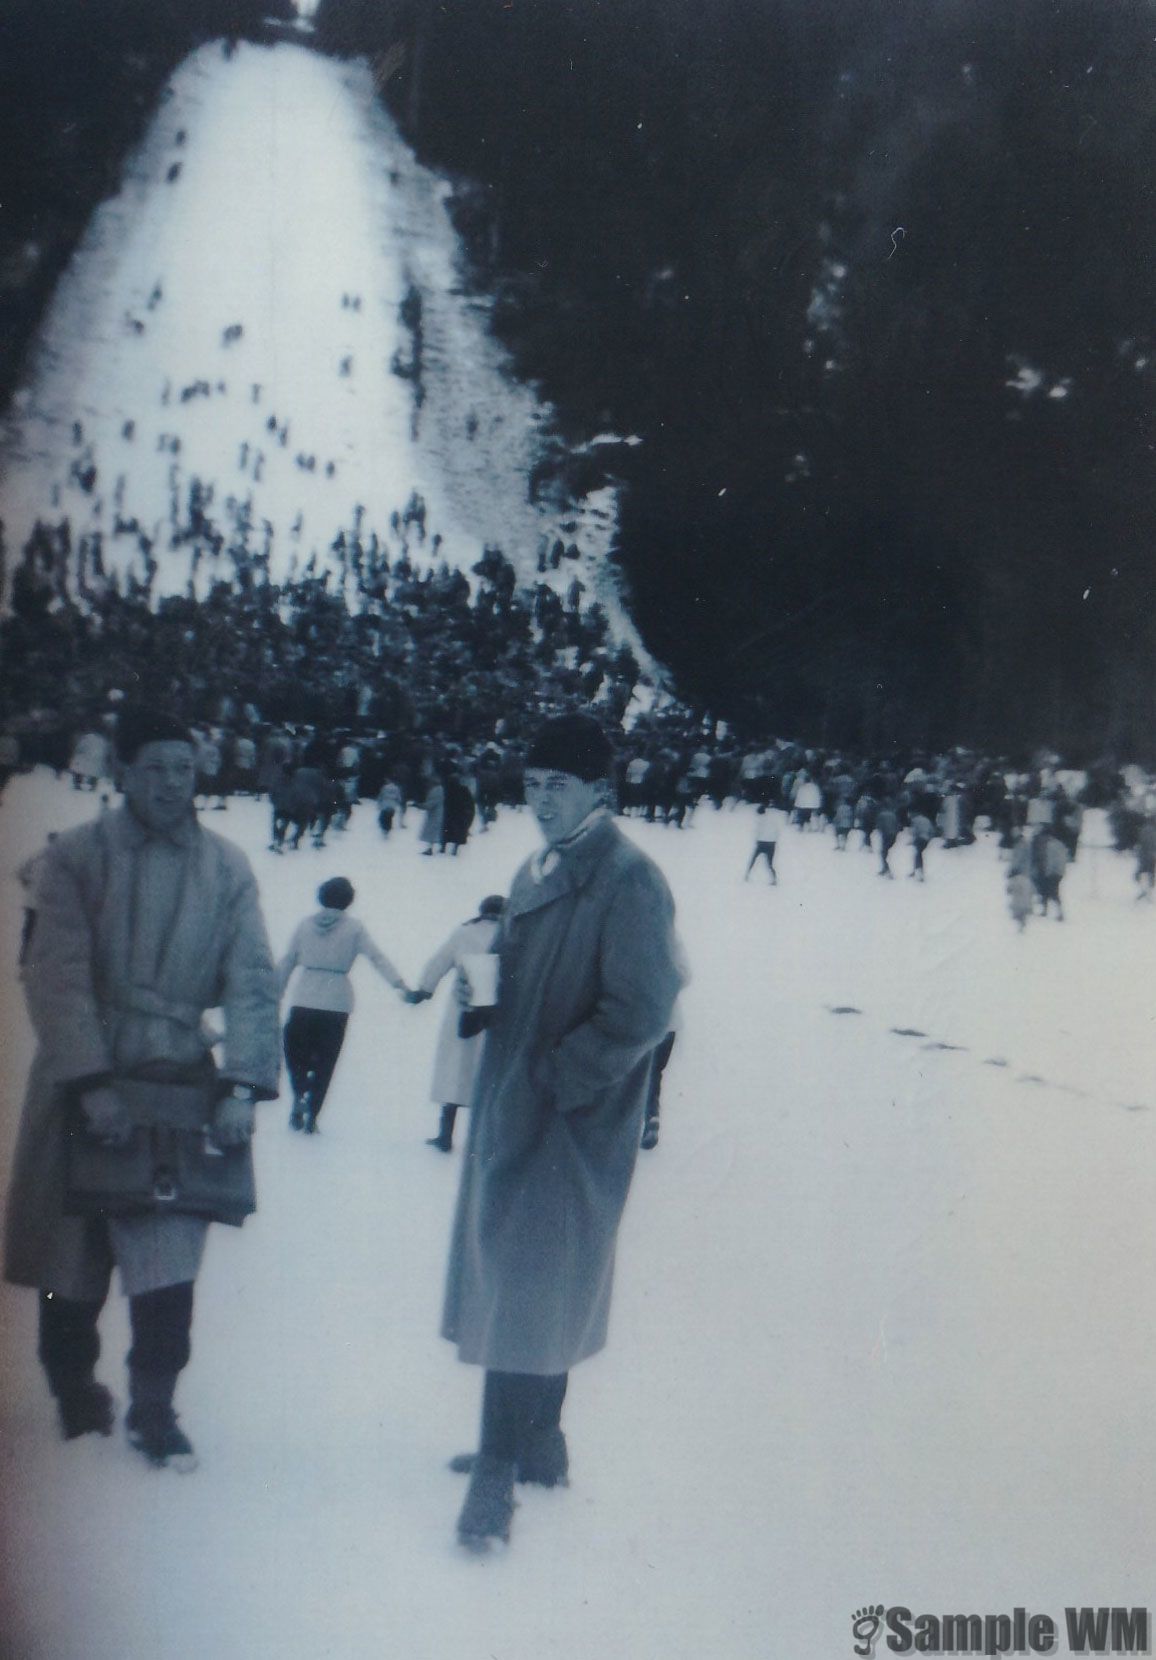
575	744
492	905
136	727
336	894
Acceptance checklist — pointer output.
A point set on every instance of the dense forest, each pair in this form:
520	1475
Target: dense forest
874	283
78	83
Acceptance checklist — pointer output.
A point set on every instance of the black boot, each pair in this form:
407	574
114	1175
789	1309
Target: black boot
543	1461
444	1140
69	1347
152	1428
161	1322
489	1506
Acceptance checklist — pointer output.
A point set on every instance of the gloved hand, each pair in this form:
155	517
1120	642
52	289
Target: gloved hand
233	1122
107	1116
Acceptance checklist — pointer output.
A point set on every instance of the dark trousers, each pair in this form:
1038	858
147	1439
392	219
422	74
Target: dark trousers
763	850
516	1406
313	1039
385	820
69	1343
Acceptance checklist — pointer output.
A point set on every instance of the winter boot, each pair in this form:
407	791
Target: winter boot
69	1348
489	1506
85	1409
444	1140
543	1462
153	1430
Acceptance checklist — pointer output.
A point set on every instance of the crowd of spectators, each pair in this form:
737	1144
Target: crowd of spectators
382	673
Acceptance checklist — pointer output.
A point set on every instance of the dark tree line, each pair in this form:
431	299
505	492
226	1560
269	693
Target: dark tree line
78	84
875	285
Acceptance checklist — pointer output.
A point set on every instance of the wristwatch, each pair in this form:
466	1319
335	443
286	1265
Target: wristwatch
243	1092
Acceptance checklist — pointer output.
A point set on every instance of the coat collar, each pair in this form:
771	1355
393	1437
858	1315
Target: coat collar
135	834
573	870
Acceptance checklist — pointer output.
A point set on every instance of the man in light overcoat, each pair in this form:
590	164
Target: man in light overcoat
589	971
144	921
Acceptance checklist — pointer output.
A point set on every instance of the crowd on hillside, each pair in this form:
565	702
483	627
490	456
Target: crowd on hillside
404	682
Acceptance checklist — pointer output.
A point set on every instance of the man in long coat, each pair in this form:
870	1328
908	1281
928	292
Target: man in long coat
589	971
144	922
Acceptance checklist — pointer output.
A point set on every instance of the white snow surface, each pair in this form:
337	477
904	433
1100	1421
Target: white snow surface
294	189
879	1329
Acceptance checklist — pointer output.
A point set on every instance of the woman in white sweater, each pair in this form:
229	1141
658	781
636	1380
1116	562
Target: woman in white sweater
324	947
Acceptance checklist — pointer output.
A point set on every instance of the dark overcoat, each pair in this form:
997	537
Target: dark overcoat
91	1018
590	969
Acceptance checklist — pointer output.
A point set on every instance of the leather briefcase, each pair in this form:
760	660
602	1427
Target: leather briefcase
170	1163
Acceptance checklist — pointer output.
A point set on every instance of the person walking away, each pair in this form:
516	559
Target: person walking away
432	831
458	1058
1146	859
1068	823
922	831
589	969
1020	887
324	947
1049	862
457	814
282	798
390	803
308	793
887	829
144	921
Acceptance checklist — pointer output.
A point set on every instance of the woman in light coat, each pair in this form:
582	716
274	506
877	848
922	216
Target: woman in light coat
458	1058
432	831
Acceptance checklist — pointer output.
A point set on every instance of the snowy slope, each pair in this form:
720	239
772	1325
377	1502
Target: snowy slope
293	189
880	1327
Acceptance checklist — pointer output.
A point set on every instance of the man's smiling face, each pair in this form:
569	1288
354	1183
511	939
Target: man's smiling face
560	801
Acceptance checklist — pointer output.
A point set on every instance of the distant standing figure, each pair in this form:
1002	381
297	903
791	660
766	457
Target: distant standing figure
1020	887
1049	859
887	829
91	760
1146	859
431	831
458	814
921	834
766	841
390	803
458	1058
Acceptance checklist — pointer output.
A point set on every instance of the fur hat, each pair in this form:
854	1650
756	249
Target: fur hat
575	744
138	726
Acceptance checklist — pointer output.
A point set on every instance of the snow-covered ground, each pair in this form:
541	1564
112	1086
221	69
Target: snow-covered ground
291	191
880	1330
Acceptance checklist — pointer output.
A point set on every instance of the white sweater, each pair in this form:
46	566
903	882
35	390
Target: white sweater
324	947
